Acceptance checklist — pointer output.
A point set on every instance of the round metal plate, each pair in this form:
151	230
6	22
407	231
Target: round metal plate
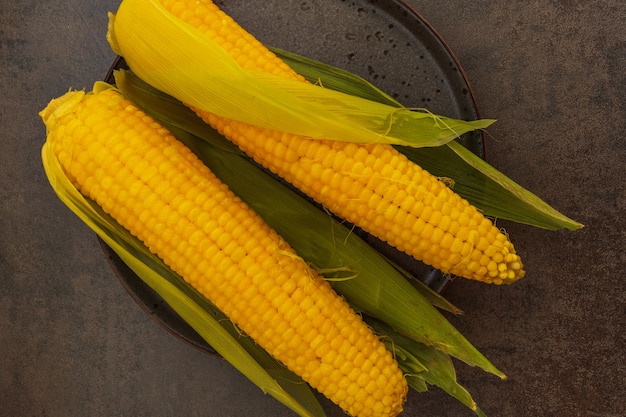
387	43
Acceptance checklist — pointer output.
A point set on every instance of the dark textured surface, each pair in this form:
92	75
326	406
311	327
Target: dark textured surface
74	343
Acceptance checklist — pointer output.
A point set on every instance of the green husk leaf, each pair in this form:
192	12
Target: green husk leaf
485	187
416	383
333	78
477	181
378	289
181	61
243	353
438	366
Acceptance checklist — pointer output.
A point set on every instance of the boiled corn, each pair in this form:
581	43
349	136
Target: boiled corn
371	185
162	193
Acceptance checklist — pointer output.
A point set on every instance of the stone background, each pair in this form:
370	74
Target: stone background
73	343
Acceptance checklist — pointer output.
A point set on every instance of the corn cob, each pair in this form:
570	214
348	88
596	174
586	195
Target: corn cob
371	185
162	193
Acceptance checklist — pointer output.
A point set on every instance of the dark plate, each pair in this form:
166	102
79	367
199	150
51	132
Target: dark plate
387	43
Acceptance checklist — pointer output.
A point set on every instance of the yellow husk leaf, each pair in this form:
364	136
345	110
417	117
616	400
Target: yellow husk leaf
179	60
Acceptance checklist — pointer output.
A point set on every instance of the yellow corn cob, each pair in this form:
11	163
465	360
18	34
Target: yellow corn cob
373	186
162	193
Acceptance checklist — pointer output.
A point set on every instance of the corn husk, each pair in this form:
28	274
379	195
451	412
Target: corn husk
179	60
476	180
